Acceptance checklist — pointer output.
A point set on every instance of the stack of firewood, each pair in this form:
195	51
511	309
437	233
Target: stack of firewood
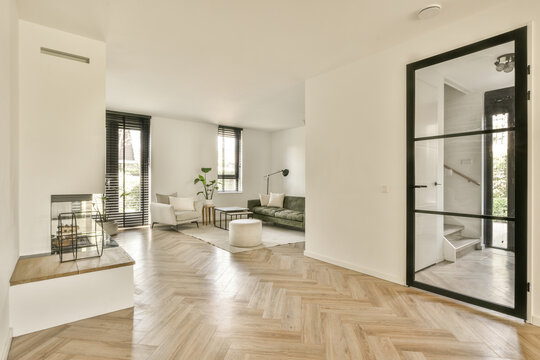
67	233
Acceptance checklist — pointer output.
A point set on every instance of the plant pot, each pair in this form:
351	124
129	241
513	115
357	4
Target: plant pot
110	227
209	202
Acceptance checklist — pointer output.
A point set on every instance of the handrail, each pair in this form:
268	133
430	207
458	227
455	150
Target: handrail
469	179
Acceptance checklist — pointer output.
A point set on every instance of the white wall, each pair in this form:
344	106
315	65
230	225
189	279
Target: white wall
62	131
356	142
8	162
288	151
180	148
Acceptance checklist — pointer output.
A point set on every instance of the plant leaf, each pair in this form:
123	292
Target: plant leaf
206	170
200	192
196	180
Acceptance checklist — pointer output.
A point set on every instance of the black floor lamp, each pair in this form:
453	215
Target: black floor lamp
285	173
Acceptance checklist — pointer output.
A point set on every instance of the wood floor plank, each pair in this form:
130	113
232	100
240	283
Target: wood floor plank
195	301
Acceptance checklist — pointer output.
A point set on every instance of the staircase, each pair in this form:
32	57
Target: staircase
455	244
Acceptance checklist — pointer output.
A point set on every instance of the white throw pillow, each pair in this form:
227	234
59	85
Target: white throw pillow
264	199
182	204
276	200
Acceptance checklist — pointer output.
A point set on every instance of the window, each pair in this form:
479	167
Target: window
229	159
127	169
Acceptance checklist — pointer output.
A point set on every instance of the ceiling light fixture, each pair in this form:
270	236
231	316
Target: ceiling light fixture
505	63
429	11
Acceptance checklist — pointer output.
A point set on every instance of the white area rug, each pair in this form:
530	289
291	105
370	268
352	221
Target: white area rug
271	236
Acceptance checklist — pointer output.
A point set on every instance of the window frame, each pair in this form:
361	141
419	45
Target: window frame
115	121
236	133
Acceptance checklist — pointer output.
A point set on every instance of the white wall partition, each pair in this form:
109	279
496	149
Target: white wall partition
62	131
289	152
8	162
429	167
44	304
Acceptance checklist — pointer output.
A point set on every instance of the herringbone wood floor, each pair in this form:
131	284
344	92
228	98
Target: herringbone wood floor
194	301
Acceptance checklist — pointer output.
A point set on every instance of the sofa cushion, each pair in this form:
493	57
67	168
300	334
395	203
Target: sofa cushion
289	215
276	200
265	210
186	215
264	199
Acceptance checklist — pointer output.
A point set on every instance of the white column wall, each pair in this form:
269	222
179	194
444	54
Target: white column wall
62	126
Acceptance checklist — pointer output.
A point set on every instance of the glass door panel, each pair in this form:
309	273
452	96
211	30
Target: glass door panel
452	176
454	90
450	253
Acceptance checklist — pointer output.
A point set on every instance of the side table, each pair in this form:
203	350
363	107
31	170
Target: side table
208	214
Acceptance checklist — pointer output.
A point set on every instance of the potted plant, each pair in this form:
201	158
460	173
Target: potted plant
208	186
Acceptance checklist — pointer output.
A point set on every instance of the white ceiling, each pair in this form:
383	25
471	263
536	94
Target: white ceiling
235	62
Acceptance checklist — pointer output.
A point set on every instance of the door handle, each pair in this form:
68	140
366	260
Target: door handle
419	186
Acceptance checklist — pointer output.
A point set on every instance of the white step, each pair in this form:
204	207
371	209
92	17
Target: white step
452	229
464	245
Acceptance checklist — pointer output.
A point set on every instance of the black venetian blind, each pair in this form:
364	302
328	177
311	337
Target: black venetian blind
230	158
127	175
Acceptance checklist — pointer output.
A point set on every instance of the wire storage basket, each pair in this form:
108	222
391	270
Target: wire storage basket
80	235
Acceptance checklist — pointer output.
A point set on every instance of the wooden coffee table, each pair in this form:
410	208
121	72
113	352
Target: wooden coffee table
227	214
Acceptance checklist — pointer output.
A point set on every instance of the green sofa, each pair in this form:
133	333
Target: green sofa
290	215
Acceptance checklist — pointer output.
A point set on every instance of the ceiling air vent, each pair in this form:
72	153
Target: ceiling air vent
65	55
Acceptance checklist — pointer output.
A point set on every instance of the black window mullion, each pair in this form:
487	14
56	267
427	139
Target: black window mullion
124	170
466	133
473	216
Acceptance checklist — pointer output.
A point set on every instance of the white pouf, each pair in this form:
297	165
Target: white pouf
245	232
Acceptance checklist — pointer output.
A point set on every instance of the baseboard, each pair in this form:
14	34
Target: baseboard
535	320
354	267
6	345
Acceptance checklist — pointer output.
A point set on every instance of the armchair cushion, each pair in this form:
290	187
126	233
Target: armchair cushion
182	203
164	199
186	215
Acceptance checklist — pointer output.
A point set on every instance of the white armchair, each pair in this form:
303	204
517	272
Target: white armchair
166	215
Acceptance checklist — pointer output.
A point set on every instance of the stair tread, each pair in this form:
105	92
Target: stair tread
460	244
452	229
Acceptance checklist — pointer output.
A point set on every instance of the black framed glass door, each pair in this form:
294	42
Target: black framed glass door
467	173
